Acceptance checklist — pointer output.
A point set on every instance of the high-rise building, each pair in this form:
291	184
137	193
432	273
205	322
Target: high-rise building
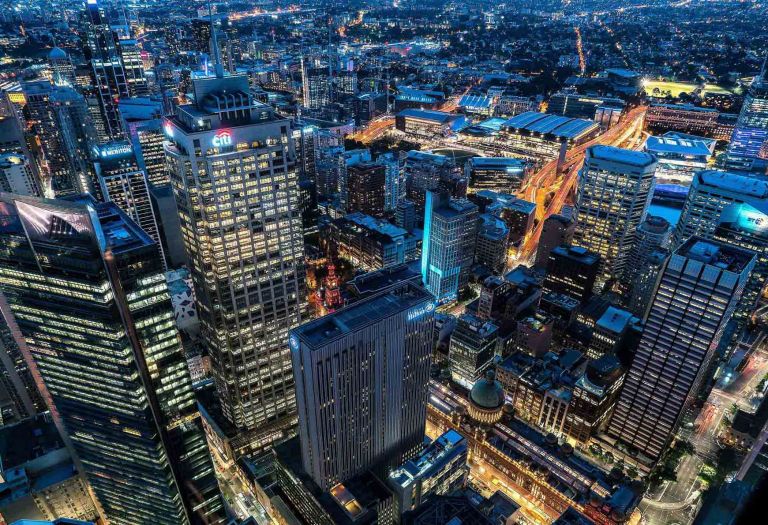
557	230
711	191
366	186
746	226
699	288
16	175
652	235
59	117
143	122
233	171
316	83
441	468
117	71
644	285
748	149
362	377
473	345
122	181
87	291
614	191
572	270
423	172
492	243
448	248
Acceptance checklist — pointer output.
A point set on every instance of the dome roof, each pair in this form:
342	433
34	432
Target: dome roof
57	52
487	393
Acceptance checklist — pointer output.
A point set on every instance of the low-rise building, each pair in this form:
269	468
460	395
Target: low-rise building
440	469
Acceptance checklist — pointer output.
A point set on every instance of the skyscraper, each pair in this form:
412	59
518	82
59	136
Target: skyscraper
59	117
316	83
116	68
122	181
652	235
362	377
712	191
87	291
614	191
448	249
748	149
698	290
557	230
233	171
366	188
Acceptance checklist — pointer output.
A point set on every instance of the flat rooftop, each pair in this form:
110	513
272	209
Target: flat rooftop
734	182
714	253
362	314
440	117
378	225
620	155
615	320
506	163
680	146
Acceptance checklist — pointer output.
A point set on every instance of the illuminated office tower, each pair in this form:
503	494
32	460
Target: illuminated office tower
122	181
362	376
748	149
699	288
233	170
712	191
448	249
59	118
316	83
116	68
614	191
87	291
143	122
130	56
62	69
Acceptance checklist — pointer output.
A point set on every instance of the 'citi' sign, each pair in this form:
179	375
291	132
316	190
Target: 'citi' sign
222	138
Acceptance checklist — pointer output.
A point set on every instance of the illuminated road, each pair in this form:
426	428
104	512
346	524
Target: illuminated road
580	51
548	184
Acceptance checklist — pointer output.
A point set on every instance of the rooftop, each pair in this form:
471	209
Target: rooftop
429	114
364	313
433	457
681	146
28	439
378	225
615	320
713	253
620	155
543	123
507	163
734	182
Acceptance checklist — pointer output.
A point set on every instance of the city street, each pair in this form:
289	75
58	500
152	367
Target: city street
677	502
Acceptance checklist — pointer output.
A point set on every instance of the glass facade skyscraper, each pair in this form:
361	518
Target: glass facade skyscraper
748	149
87	290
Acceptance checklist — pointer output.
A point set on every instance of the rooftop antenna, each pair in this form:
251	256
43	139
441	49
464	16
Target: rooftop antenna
218	67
